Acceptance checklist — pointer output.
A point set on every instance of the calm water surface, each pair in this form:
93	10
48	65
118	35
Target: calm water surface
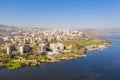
97	65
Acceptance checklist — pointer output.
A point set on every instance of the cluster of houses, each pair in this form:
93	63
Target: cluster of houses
23	40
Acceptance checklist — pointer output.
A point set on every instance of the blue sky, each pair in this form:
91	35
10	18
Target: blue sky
61	13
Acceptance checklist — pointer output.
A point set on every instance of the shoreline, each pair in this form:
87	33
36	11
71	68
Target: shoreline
36	59
57	60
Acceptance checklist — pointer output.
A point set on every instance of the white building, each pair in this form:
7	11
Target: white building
8	50
41	48
57	46
21	49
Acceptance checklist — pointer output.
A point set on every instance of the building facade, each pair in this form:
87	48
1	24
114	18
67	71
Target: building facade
41	48
57	46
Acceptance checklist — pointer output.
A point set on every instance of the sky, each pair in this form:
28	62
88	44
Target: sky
61	13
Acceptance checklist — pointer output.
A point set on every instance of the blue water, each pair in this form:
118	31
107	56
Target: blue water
97	65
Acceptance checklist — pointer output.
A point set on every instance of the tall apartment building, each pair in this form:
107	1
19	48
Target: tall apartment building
21	49
57	46
41	48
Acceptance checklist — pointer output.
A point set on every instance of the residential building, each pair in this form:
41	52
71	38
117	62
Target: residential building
41	48
57	46
21	49
8	50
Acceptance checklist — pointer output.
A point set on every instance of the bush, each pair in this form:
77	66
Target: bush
14	65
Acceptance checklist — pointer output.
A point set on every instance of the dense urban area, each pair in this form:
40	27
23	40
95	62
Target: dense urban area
24	46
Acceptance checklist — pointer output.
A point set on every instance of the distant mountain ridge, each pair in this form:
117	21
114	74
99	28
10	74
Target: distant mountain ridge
88	31
113	31
6	26
93	32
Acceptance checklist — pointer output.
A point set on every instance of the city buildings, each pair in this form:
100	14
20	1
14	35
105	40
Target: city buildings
24	39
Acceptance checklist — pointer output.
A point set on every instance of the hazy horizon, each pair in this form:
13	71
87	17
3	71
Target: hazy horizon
61	13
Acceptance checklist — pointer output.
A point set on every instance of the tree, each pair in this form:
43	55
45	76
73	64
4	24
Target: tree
43	53
34	49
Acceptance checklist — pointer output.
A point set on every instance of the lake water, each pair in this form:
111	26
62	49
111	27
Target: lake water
97	65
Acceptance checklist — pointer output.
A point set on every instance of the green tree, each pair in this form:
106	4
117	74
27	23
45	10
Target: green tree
34	49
